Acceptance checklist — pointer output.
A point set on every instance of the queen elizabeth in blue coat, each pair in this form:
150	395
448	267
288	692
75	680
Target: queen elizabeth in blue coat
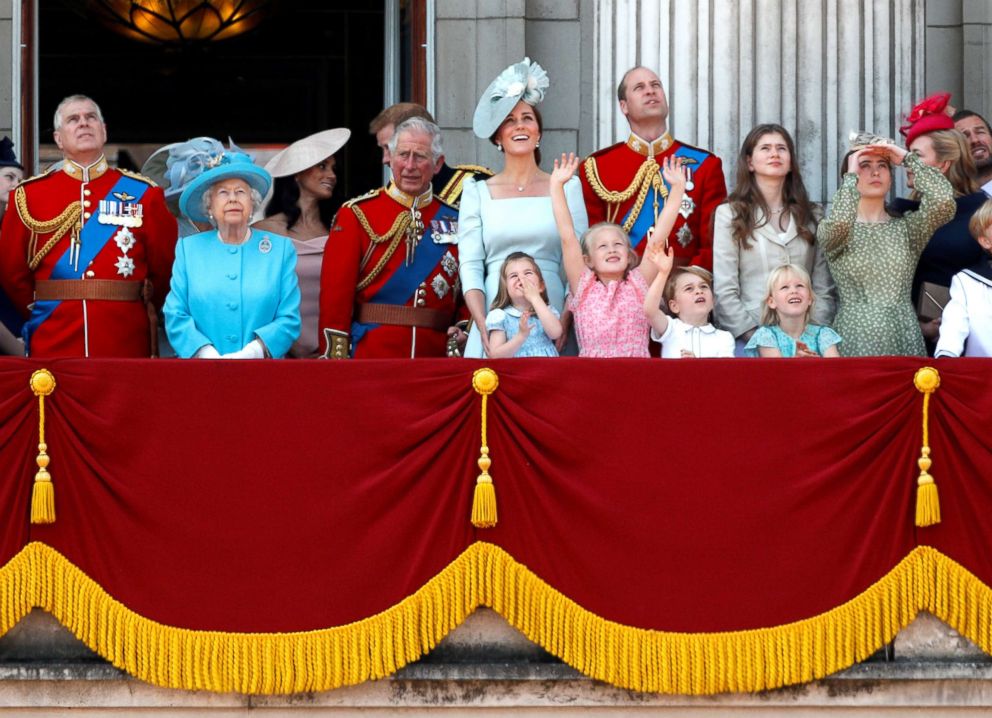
234	291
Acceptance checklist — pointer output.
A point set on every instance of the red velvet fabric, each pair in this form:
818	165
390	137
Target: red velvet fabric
690	496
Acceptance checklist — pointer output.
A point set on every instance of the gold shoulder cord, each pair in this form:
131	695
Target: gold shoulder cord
393	236
67	221
134	175
643	180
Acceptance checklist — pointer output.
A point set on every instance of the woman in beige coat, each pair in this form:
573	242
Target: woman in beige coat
767	221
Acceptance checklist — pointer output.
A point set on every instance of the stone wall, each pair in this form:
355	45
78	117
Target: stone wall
7	51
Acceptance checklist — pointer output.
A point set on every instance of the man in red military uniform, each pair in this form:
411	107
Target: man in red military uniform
623	183
389	280
78	244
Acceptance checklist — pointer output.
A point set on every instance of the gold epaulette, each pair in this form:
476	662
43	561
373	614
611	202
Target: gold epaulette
647	176
140	177
361	198
34	177
451	193
66	221
477	169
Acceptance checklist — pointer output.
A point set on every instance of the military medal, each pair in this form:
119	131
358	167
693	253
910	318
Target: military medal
413	234
124	239
444	231
686	206
125	266
449	264
121	213
440	286
684	235
689	184
265	246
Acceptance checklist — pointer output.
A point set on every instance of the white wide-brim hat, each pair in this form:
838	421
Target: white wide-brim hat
524	80
304	154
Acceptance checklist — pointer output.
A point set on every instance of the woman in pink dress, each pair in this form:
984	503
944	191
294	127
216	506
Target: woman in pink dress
300	209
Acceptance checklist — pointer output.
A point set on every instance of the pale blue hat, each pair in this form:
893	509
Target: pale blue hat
525	81
227	165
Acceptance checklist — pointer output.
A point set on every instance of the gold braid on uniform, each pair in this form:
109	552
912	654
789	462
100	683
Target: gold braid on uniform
393	236
646	177
67	221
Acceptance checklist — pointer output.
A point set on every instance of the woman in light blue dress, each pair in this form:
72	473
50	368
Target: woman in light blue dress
511	211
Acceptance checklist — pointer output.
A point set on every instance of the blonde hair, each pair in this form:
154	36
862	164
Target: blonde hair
952	146
502	299
632	259
981	220
769	315
668	294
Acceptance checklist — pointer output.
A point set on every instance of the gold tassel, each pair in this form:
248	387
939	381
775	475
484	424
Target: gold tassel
484	381
43	494
927	502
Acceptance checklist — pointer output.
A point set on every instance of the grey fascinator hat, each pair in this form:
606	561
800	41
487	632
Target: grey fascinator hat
525	81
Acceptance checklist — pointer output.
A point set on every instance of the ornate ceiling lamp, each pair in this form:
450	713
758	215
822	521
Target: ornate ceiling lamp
180	22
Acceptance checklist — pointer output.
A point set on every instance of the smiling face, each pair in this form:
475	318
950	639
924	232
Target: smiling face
874	175
770	156
520	131
644	97
82	134
979	141
608	253
692	298
231	203
318	181
412	162
790	295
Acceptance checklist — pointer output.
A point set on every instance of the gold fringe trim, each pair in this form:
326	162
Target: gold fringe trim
485	574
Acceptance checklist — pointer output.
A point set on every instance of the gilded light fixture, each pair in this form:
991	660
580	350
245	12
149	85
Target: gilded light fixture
179	22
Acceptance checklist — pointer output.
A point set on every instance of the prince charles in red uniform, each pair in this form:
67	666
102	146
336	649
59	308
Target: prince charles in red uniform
85	248
389	280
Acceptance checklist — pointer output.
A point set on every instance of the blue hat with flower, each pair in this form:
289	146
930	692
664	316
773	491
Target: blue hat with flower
229	164
525	81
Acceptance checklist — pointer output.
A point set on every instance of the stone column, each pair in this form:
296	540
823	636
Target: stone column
977	35
821	68
9	50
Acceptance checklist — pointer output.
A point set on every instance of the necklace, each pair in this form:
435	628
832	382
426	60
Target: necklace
776	211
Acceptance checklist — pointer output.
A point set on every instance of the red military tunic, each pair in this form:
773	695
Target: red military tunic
610	191
85	327
365	259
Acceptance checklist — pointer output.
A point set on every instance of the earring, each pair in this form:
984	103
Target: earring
538	145
499	147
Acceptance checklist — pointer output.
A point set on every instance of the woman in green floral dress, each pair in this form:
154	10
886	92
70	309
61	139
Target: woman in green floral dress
872	255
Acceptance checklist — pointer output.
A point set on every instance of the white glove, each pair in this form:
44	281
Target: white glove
251	350
207	351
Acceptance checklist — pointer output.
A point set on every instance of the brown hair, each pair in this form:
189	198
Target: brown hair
540	127
747	198
502	299
952	146
668	294
398	113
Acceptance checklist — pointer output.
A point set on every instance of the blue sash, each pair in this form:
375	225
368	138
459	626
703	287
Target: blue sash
404	282
639	230
93	237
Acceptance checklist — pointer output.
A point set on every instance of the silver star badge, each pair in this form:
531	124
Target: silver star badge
125	239
449	264
440	286
687	206
125	266
684	235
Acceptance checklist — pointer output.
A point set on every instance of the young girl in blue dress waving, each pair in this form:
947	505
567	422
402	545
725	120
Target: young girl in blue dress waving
786	331
521	323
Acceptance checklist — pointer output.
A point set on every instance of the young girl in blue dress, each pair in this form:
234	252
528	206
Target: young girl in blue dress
786	331
521	323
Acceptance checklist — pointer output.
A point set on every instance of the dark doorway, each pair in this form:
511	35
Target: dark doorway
310	65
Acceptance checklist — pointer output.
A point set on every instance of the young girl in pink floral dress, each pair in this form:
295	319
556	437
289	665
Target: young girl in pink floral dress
607	292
